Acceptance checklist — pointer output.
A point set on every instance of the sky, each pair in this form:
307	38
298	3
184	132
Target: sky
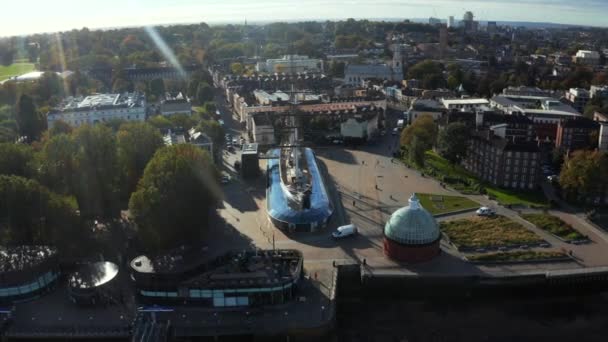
33	16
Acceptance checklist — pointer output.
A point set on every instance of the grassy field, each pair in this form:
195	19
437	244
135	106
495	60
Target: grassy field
15	69
454	175
476	232
554	225
439	204
515	256
535	199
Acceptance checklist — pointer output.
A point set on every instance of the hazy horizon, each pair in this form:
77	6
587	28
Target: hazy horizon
40	16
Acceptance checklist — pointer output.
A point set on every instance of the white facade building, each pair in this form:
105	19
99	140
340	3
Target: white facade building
464	104
290	64
99	108
587	57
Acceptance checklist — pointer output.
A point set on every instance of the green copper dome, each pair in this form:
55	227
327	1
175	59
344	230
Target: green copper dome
412	225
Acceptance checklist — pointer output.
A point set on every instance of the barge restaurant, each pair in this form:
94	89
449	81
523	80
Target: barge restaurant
244	279
287	217
26	272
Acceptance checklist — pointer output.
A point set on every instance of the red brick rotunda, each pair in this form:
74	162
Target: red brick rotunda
411	234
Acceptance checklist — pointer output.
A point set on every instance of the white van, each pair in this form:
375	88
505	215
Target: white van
344	231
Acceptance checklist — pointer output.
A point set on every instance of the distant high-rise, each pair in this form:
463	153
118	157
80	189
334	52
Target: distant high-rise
469	23
491	27
468	16
451	21
443	40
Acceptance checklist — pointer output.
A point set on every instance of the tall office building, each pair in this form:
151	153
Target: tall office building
451	21
443	40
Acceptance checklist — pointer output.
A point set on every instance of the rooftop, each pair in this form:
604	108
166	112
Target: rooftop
23	257
93	275
450	102
232	269
412	225
101	101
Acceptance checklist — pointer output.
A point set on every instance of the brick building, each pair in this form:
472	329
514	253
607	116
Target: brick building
576	134
502	162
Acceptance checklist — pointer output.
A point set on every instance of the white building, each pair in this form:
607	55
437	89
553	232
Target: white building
99	108
393	71
451	21
175	104
464	104
290	64
262	129
587	57
599	91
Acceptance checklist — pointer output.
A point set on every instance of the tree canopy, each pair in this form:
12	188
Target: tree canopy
174	198
452	142
582	175
419	137
31	214
136	142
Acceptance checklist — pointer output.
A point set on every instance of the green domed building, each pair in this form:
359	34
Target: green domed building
412	234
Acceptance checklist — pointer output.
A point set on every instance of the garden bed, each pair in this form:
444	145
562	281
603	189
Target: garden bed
555	226
488	232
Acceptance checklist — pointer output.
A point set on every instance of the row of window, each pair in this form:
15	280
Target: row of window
37	284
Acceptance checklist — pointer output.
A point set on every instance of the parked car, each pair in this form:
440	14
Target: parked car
553	178
395	131
344	231
225	179
485	211
221	122
217	112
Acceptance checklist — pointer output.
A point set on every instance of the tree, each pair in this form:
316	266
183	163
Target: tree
214	131
137	142
424	127
582	175
30	122
31	214
419	137
161	122
452	142
181	120
16	160
426	68
174	198
157	87
60	127
7	55
57	164
204	93
336	68
98	172
236	68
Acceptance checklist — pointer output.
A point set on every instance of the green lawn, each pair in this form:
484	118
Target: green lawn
439	204
15	69
454	175
516	256
554	225
535	199
495	231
